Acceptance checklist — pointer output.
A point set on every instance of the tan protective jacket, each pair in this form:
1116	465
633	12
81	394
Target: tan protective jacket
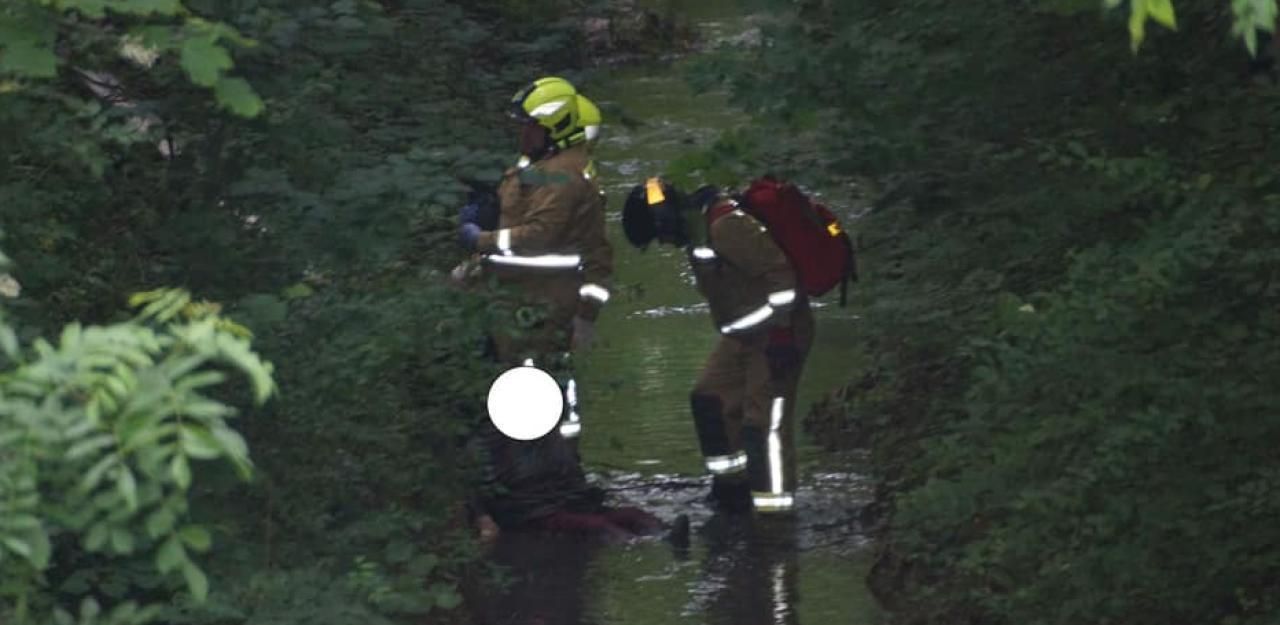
746	278
551	239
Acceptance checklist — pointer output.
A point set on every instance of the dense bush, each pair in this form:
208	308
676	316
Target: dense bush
1070	296
294	161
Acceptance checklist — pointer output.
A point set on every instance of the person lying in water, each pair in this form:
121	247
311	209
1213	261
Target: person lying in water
540	485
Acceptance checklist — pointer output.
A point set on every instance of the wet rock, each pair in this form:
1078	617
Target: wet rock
624	30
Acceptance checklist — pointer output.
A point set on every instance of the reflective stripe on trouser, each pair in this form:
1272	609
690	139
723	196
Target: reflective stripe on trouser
571	425
757	410
767	472
713	437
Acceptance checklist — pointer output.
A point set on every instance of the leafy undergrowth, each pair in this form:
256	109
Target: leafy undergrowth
1069	300
295	162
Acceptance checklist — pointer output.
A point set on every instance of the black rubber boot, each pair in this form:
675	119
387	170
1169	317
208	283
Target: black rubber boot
730	496
678	537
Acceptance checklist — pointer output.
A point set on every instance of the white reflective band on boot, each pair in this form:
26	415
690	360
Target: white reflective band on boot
722	465
571	429
782	298
594	291
751	320
771	502
546	261
703	253
504	240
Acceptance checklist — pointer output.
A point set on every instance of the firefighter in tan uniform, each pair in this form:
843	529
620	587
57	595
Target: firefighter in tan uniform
550	247
744	399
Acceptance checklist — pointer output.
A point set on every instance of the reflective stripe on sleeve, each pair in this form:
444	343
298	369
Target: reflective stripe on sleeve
594	291
703	253
504	240
723	465
546	261
748	321
782	298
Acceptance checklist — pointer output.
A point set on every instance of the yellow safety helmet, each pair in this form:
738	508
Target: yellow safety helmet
552	103
589	118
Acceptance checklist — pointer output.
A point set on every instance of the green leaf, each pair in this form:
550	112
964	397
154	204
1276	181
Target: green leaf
180	470
198	443
301	290
1137	23
196	537
237	96
94	475
231	442
41	550
29	55
97	536
147	7
9	342
446	596
206	409
197	583
92	9
90	445
121	541
1162	12
17	546
160	522
171	555
128	486
204	60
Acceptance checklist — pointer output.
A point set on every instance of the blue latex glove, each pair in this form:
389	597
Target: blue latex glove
468	234
469	213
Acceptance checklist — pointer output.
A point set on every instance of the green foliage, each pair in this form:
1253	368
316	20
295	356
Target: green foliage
314	196
1069	300
98	434
29	31
1250	18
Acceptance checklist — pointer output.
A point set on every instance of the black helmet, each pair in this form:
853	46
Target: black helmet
654	209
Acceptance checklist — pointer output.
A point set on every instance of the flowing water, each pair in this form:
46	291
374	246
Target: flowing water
639	439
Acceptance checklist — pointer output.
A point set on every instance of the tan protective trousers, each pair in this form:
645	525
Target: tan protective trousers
744	417
539	333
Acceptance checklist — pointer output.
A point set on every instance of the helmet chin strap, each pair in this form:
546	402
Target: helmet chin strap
548	148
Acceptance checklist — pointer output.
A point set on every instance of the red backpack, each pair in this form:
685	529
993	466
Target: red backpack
808	233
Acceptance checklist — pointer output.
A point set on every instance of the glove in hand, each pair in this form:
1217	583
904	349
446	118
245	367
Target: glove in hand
469	213
468	235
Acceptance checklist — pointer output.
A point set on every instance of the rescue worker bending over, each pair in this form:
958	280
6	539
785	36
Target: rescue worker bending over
744	398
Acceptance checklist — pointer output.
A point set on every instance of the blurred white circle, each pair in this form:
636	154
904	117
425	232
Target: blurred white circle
525	403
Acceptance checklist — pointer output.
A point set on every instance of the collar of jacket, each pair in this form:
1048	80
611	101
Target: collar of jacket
720	208
572	153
